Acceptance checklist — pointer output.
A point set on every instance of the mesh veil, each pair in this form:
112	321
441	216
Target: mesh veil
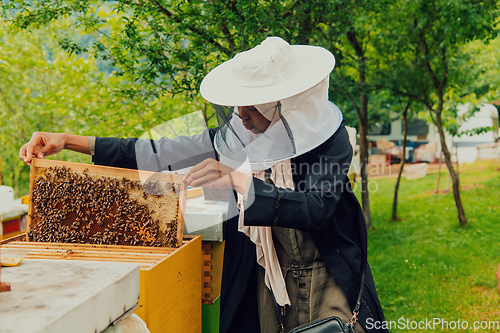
298	124
241	149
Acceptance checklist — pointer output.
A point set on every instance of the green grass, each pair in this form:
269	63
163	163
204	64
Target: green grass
426	265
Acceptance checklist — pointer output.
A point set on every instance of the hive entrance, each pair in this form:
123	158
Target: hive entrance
97	206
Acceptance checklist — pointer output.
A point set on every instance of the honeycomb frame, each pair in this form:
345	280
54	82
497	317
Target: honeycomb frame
80	203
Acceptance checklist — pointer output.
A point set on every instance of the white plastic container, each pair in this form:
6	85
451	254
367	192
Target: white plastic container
415	171
6	198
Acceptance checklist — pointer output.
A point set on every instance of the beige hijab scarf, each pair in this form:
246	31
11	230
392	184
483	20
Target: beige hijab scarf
281	176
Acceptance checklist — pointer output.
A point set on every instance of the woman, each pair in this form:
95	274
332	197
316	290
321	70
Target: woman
295	226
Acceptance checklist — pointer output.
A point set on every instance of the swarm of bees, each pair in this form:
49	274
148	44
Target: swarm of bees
79	207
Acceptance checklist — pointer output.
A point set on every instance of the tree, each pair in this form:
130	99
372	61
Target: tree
426	39
348	31
404	115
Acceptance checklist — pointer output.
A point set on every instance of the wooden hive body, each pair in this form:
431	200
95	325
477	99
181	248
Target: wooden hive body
80	203
171	286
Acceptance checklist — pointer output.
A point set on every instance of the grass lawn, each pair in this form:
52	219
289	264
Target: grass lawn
426	266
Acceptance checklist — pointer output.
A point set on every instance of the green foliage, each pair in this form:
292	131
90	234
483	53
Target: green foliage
424	48
36	94
44	89
159	48
168	47
482	61
476	131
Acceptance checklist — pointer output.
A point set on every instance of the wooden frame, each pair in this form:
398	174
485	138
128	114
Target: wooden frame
36	164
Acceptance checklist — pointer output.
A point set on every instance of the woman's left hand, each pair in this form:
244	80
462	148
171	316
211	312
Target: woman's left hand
213	174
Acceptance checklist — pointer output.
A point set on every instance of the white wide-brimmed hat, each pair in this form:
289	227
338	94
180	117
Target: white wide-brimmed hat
269	72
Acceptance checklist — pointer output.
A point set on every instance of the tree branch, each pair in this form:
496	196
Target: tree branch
225	30
351	36
425	102
288	12
445	65
227	34
431	113
405	111
197	31
334	48
356	107
358	48
425	49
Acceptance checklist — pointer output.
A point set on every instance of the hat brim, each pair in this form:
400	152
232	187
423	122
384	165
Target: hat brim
314	64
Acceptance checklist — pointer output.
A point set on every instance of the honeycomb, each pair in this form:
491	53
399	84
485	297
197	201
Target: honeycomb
82	207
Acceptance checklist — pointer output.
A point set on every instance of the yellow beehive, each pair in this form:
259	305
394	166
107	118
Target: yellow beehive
170	290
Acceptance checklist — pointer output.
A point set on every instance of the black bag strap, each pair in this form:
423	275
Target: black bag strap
280	312
355	312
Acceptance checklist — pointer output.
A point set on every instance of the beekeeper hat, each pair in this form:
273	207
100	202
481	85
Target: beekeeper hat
269	72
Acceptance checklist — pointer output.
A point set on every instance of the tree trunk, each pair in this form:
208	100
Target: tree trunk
454	176
439	171
394	216
362	113
363	154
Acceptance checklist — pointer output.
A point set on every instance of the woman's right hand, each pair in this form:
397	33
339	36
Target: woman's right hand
42	144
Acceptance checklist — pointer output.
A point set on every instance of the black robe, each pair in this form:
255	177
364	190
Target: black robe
322	204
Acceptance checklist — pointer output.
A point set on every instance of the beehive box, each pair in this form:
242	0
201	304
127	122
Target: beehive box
170	290
212	258
80	203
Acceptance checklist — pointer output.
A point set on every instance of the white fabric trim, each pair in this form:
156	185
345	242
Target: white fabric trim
281	175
